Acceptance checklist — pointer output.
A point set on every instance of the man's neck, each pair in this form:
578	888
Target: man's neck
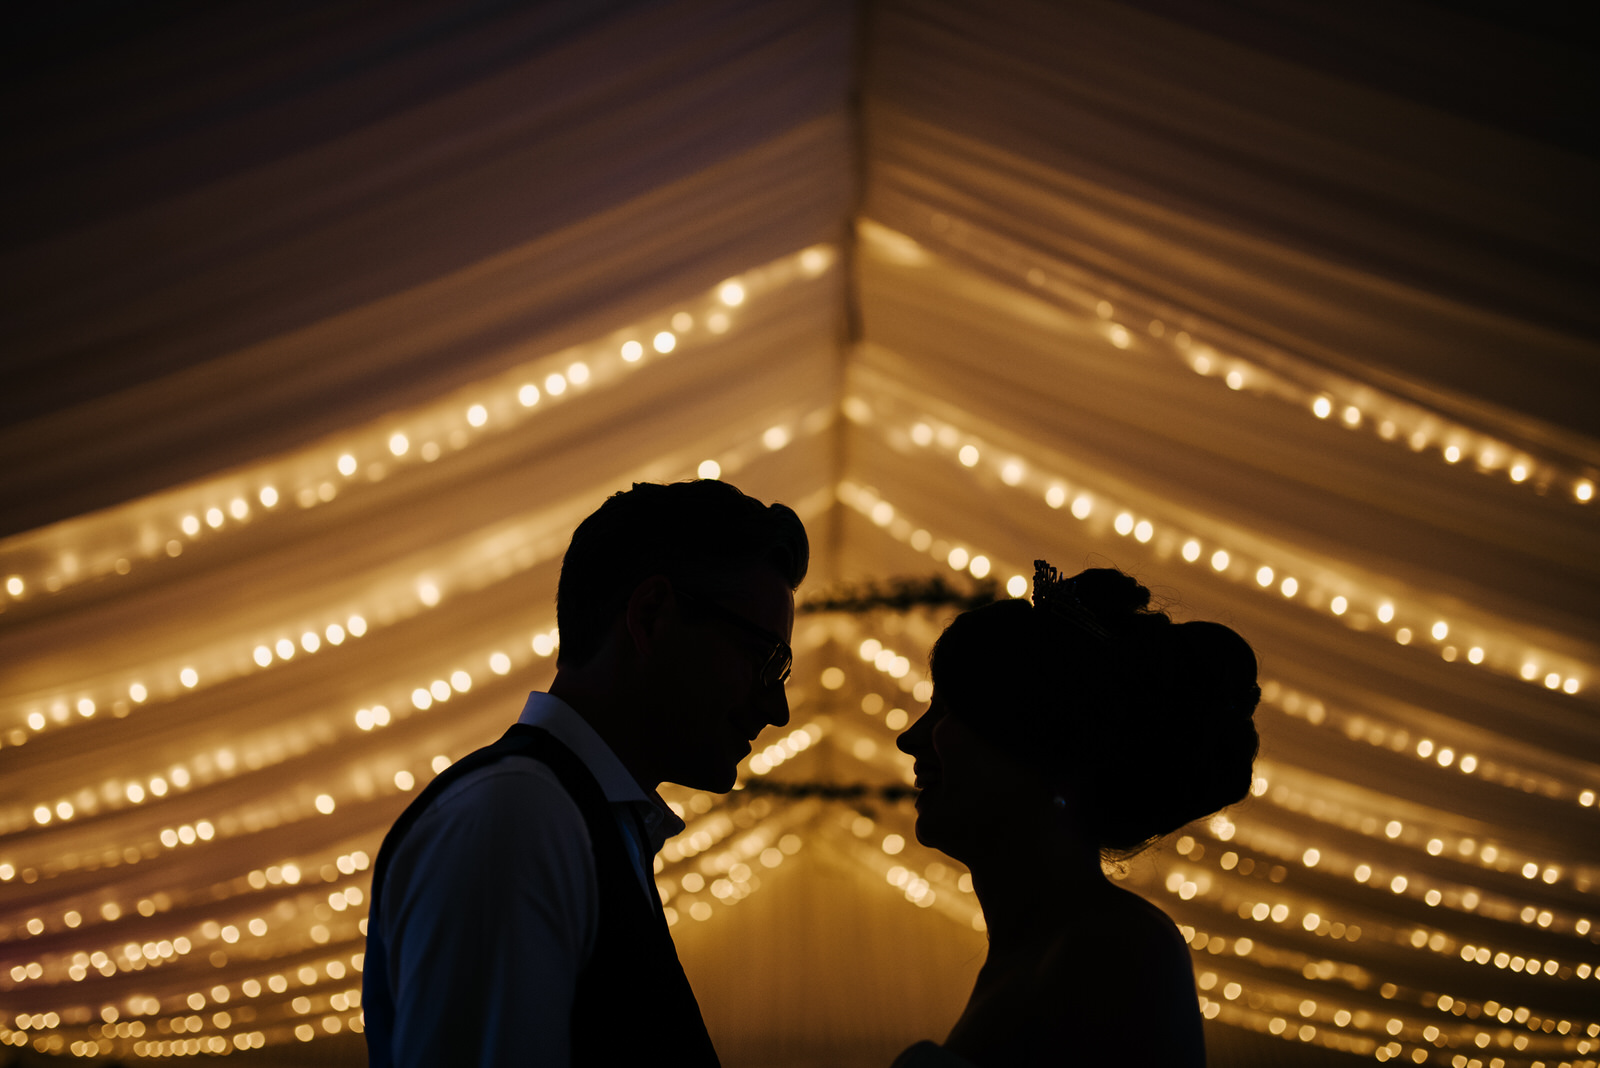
610	715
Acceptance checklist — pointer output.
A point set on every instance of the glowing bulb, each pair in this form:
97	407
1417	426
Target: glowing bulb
1322	407
268	496
325	804
555	384
190	525
214	518
138	692
1385	612
1264	576
356	625
1519	472
1016	586
14	585
775	437
347	465
335	634
1011	472
1452	453
578	373
528	395
1289	586
399	444
477	415
499	663
263	655
310	642
188	677
1352	416
1219	560
664	342
958	558
1123	524
238	508
1584	491
710	469
1235	380
1055	496
731	293
1082	506
1191	550
979	567
1475	654
968	456
1440	631
1143	531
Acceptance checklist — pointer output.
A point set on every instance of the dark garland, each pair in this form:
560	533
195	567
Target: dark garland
891	793
900	595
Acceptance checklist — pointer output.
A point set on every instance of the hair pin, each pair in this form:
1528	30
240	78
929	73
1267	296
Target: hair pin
1059	597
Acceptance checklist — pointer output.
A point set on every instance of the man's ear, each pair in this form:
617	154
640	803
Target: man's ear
649	607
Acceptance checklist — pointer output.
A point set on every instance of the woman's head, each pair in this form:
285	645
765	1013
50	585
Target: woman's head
1142	723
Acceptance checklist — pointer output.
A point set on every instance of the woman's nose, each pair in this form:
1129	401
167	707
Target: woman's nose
911	737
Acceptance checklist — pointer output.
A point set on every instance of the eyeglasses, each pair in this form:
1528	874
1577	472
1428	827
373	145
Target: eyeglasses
779	662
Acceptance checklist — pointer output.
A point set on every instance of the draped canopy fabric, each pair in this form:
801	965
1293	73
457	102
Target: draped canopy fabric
325	324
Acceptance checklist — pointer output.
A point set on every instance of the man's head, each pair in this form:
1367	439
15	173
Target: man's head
687	588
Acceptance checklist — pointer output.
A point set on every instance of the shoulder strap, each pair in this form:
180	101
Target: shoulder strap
519	740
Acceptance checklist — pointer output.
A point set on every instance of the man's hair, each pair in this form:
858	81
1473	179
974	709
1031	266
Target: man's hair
692	532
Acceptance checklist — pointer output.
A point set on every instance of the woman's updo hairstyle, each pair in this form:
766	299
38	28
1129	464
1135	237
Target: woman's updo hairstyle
1146	722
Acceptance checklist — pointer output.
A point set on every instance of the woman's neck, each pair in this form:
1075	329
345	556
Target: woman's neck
1028	897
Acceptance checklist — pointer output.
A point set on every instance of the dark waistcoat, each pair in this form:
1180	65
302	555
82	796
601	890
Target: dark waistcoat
633	1004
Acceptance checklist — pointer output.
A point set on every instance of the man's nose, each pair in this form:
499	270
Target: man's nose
775	705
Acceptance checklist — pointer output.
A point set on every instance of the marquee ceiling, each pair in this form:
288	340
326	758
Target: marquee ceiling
323	330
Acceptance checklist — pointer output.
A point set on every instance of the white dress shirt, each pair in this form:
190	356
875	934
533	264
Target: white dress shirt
490	906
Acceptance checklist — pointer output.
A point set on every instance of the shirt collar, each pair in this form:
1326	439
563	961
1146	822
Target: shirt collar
554	715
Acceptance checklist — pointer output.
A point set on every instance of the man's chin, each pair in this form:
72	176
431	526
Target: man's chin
713	780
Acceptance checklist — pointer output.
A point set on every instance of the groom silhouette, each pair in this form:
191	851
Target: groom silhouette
514	915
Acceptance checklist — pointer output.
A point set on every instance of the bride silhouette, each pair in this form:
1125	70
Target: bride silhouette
1079	727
